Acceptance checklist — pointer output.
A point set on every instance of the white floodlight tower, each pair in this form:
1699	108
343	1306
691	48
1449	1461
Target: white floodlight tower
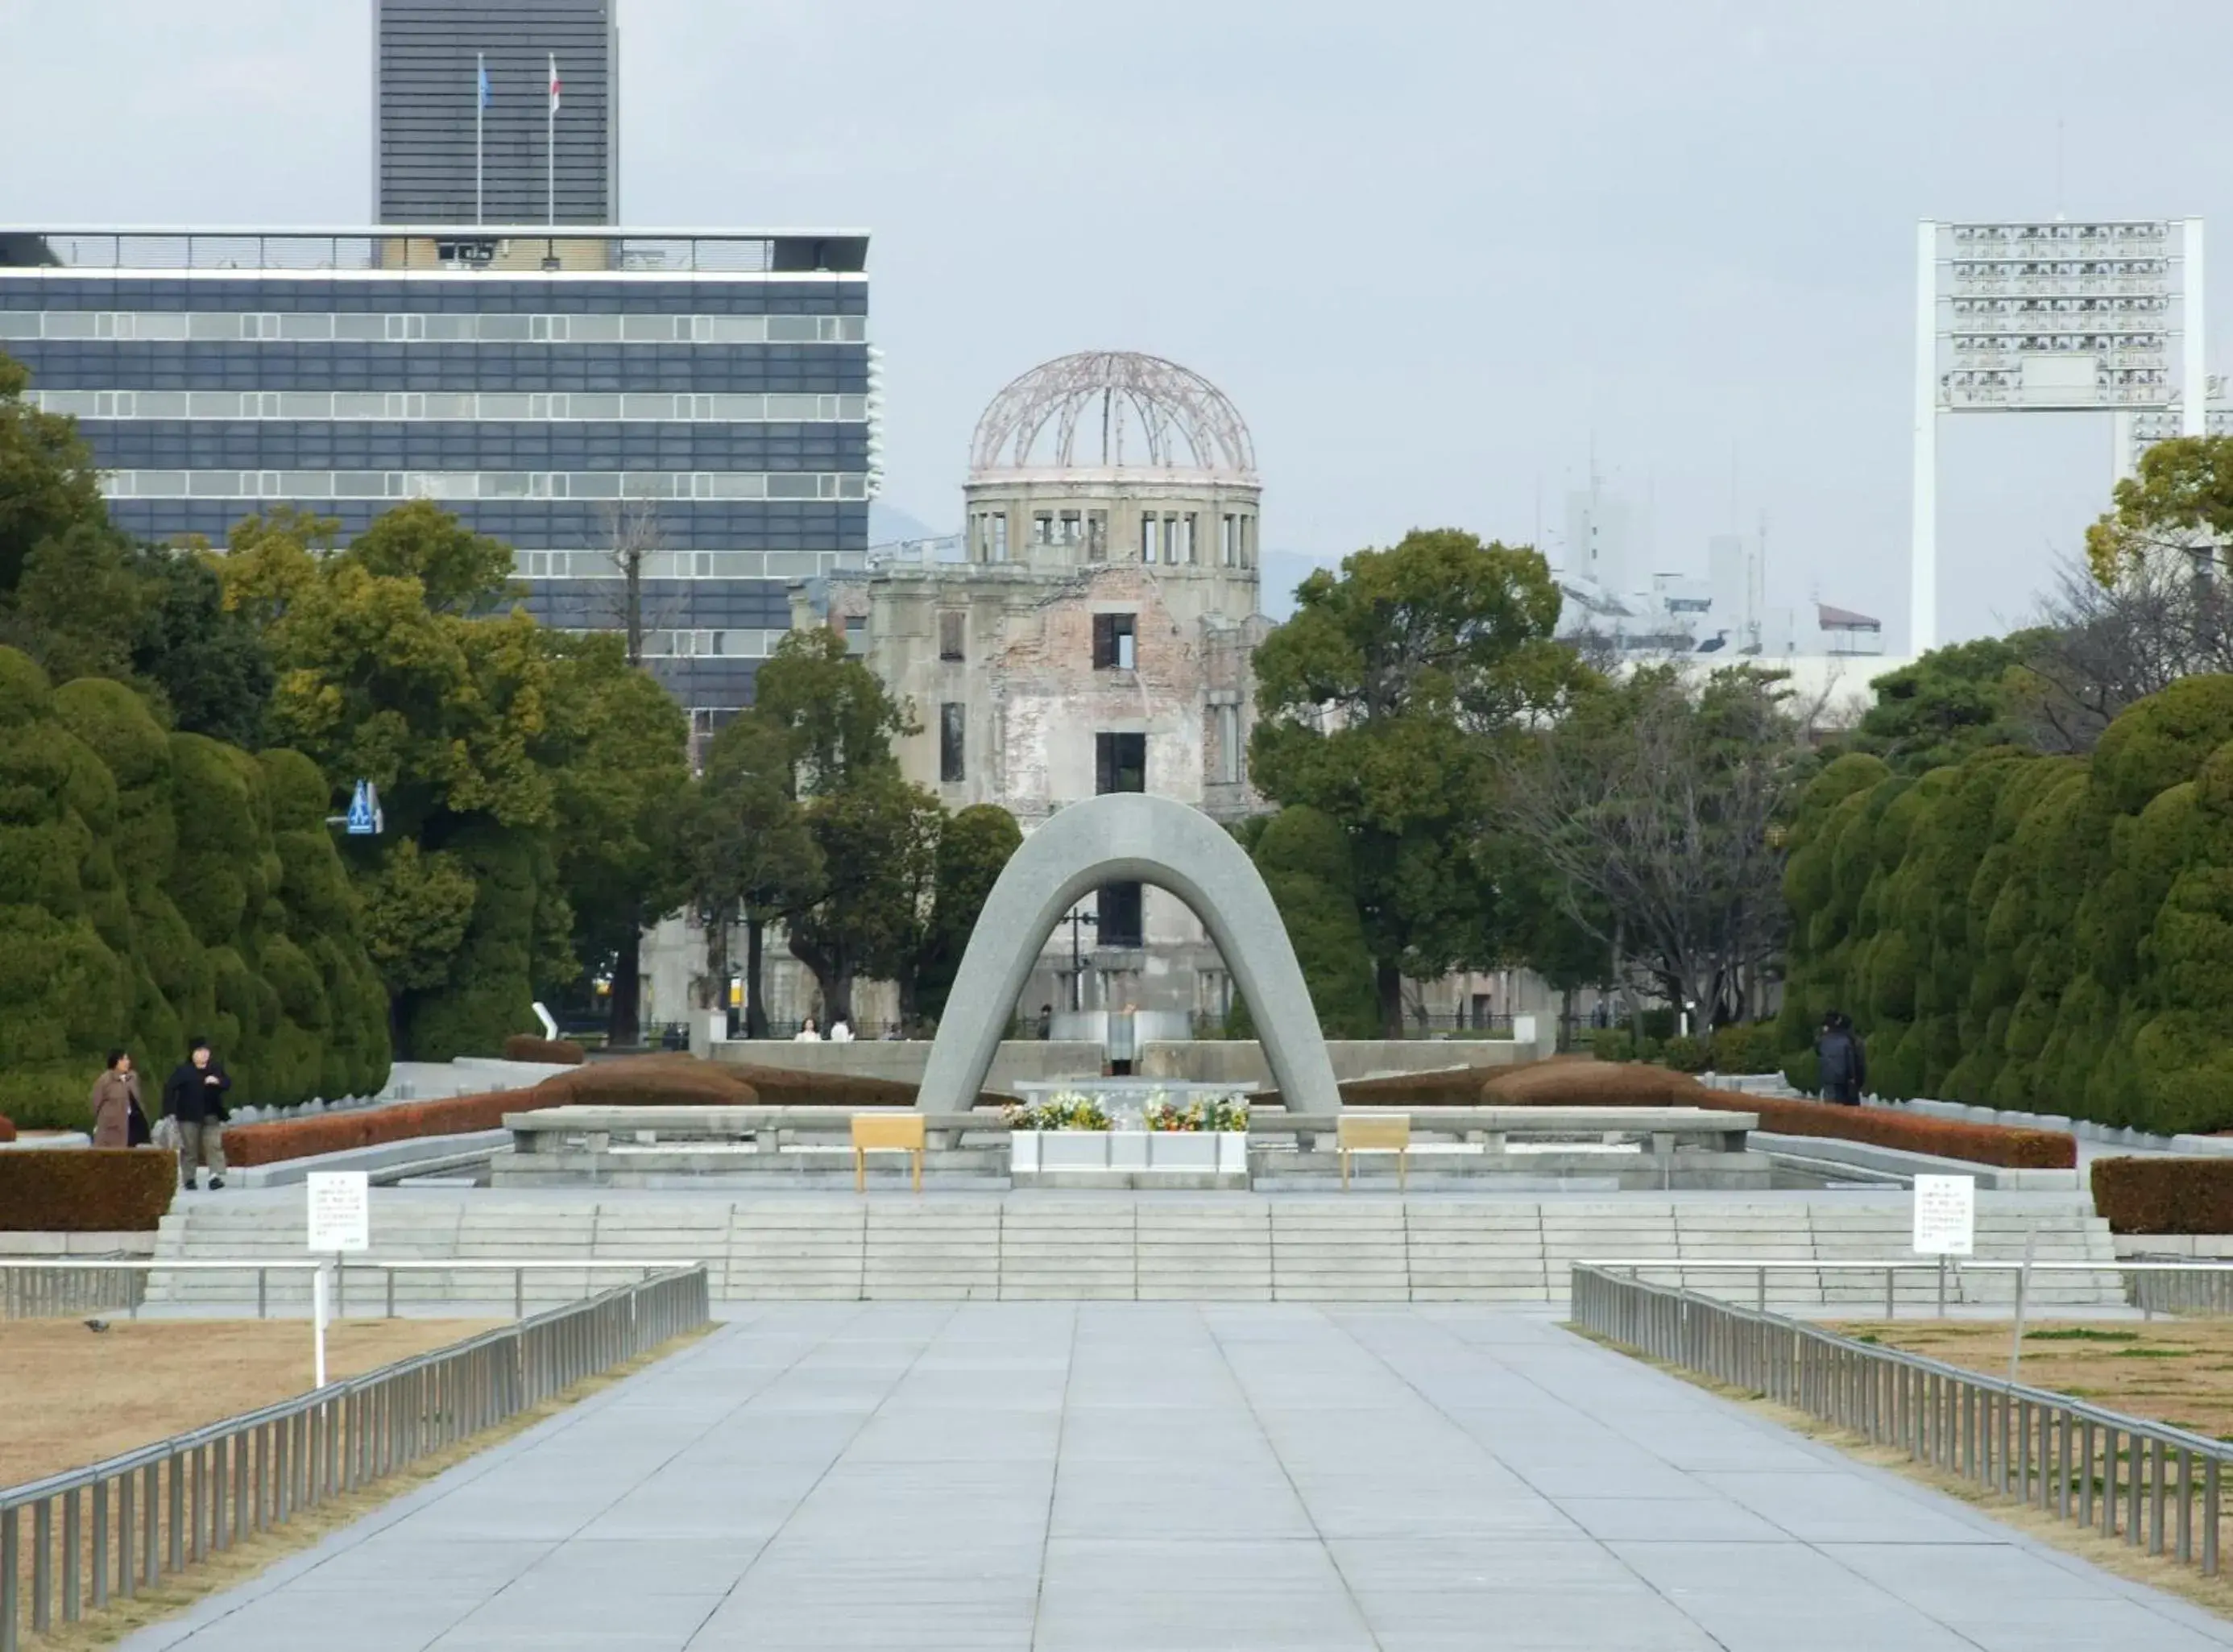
2048	317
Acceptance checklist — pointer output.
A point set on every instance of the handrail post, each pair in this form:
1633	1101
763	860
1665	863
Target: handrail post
2210	1478
12	1576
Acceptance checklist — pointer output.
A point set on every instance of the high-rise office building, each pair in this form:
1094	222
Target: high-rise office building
698	398
464	130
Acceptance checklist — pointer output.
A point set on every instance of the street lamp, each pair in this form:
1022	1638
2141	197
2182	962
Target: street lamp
1079	915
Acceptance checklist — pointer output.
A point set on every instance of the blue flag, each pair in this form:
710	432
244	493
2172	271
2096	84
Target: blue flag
482	58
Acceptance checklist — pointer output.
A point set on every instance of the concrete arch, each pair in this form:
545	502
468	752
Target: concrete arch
1124	837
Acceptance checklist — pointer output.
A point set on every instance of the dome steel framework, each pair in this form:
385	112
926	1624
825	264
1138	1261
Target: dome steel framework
1113	409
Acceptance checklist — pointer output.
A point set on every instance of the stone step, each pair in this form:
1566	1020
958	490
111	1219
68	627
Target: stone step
1355	1246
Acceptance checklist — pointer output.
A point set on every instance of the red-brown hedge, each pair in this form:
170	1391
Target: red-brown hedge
86	1190
2157	1195
278	1139
1579	1081
680	1082
686	1081
1444	1087
1995	1144
1566	1081
637	1081
525	1046
7	1128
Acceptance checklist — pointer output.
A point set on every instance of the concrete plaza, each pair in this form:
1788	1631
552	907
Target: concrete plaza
1139	1477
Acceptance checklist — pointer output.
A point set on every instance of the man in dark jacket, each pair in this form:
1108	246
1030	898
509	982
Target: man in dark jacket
1843	1064
195	1097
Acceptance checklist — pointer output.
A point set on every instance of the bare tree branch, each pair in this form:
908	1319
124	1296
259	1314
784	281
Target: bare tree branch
1658	802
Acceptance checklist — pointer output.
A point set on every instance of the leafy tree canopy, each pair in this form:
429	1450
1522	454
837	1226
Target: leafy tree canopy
1951	702
1383	704
837	717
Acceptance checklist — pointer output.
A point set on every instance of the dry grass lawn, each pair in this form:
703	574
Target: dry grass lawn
2178	1371
260	1369
75	1397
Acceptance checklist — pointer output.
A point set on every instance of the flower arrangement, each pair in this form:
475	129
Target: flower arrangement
1218	1113
1068	1111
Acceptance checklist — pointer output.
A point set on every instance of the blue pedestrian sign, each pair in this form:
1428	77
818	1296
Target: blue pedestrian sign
364	810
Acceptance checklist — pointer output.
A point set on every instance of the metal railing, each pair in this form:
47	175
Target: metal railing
73	1283
64	1290
2153	1284
121	1525
2123	1476
2180	1286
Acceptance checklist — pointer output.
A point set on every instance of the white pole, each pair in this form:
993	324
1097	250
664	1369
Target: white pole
1923	532
318	1324
550	149
481	108
2193	361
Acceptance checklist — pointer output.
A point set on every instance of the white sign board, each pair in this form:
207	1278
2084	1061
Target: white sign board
341	1210
1945	1215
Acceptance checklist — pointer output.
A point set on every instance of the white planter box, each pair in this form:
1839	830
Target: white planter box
1131	1152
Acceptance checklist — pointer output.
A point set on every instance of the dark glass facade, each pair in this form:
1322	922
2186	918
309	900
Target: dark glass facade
746	443
427	55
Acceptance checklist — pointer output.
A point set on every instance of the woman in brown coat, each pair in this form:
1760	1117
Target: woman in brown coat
116	1105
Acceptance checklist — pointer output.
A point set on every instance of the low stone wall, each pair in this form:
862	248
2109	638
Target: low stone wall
1239	1062
53	1245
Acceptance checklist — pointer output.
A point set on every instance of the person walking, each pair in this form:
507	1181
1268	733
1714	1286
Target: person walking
1842	1063
118	1121
193	1096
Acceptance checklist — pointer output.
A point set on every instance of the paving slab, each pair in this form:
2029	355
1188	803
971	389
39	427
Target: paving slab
1151	1476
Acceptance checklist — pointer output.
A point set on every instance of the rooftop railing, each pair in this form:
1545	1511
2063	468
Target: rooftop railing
509	249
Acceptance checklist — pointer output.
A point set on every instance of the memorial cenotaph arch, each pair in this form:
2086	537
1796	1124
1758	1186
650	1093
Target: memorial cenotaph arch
1129	837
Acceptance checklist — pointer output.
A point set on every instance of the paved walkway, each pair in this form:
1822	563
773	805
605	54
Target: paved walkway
1133	1478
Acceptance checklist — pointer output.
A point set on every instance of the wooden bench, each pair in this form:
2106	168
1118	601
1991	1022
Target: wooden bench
885	1132
1390	1133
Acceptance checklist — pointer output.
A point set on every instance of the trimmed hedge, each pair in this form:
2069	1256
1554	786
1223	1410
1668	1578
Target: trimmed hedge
651	1080
1575	1081
525	1046
86	1190
364	1127
685	1080
2053	934
1994	1144
1571	1081
1445	1087
7	1130
640	1081
2165	1195
154	884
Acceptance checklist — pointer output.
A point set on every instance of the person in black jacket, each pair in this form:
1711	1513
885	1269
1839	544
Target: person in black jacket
193	1096
1843	1064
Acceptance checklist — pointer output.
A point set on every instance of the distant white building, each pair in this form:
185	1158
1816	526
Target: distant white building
1670	614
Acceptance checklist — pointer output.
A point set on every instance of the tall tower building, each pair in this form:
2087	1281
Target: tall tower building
449	147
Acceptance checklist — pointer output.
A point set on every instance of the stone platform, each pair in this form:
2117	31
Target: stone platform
1601	1150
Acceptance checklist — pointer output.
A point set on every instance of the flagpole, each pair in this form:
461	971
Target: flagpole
550	148
480	109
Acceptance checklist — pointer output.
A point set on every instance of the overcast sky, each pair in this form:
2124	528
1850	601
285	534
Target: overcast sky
1433	251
